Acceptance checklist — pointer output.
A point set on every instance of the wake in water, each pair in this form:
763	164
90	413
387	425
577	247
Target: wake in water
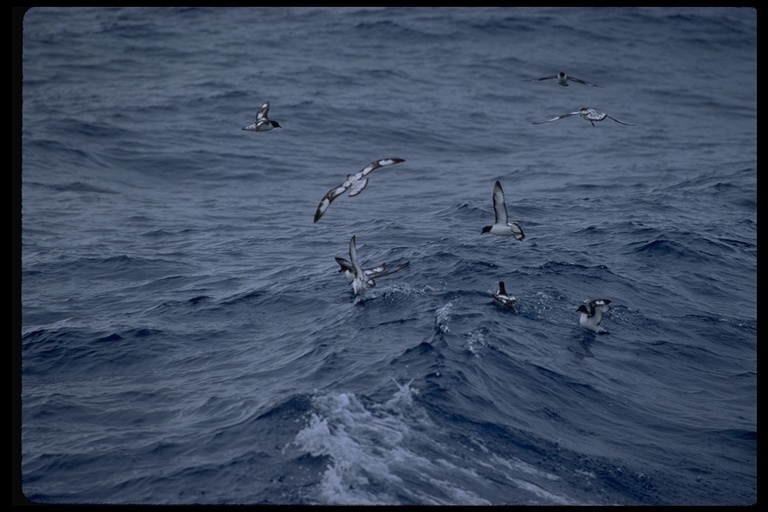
374	449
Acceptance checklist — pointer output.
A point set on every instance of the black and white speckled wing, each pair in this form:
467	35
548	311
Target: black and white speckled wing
329	197
383	270
370	273
384	162
507	302
599	306
263	113
503	298
359	179
375	272
557	118
499	205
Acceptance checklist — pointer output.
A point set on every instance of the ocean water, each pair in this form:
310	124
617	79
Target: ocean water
186	338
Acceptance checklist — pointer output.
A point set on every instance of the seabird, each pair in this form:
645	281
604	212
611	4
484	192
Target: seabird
262	124
503	298
355	183
588	114
592	313
501	226
563	79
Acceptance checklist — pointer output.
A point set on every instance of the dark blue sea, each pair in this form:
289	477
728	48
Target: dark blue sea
186	338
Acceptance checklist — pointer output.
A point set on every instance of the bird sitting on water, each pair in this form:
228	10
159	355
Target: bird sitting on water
503	298
591	314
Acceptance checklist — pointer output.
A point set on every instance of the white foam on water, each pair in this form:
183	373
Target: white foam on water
372	457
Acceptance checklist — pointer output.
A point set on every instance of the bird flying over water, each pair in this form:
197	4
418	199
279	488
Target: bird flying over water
262	124
588	114
501	225
355	183
563	79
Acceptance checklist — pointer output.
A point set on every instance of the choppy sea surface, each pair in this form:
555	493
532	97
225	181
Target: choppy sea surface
186	338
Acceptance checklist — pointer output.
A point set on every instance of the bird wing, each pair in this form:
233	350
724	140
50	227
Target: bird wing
499	205
329	197
344	264
359	178
368	169
620	122
353	258
505	300
550	77
597	307
383	270
384	162
517	231
557	118
579	80
263	112
375	271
